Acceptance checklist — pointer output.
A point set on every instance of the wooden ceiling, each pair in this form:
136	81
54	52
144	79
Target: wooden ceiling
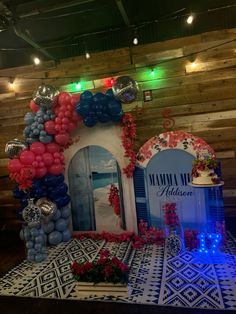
57	29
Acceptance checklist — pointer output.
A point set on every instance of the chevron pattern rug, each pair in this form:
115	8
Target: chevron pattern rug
187	280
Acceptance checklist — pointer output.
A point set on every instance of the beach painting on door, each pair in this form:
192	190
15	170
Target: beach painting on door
92	172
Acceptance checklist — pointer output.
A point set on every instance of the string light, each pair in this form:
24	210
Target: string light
87	55
190	19
36	61
152	72
11	83
135	41
78	86
193	64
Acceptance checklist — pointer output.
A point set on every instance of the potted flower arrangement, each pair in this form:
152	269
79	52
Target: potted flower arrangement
175	240
106	276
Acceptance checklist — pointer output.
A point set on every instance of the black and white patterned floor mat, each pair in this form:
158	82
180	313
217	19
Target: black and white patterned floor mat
155	278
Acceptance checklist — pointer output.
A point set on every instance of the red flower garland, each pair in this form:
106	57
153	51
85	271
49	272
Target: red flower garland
170	216
128	137
114	199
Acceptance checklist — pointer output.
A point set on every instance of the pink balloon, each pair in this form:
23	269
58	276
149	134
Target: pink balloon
38	148
33	106
14	165
48	159
40	172
75	99
56	169
62	139
52	148
49	127
27	157
63	97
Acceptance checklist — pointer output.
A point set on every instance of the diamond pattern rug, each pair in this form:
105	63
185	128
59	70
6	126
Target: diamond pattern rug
189	279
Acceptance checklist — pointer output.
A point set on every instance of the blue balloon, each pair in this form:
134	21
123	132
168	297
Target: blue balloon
39	239
47	228
22	235
45	138
34	232
114	107
39	258
29	118
57	215
66	235
29	244
18	193
26	131
31	251
60	224
30	257
24	202
38	246
103	118
65	212
36	132
26	233
90	121
54	237
60	190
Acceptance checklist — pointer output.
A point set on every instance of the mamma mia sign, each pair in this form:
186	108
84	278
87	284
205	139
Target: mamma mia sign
167	176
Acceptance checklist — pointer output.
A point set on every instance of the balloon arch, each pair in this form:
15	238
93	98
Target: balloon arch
37	162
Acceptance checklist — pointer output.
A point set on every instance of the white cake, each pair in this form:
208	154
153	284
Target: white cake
203	172
205	177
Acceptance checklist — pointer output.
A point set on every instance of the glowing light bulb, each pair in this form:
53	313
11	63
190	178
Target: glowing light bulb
190	19
78	86
152	72
193	64
87	55
135	41
36	61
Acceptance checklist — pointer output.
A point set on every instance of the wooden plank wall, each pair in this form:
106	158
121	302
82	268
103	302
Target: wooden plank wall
202	99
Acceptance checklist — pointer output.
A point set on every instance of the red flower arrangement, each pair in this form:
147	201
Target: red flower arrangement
128	137
114	199
170	216
106	269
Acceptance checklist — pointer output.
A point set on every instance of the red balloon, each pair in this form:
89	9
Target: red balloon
49	127
14	165
27	157
60	115
58	128
38	148
62	139
33	106
48	159
35	164
68	113
52	148
71	127
39	158
28	172
75	99
40	172
76	117
63	98
56	169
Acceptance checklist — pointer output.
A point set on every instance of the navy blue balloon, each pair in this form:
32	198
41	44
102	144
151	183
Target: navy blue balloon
36	184
59	190
117	117
62	201
52	180
103	118
18	193
24	202
114	107
83	108
100	99
19	214
109	92
87	97
90	121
